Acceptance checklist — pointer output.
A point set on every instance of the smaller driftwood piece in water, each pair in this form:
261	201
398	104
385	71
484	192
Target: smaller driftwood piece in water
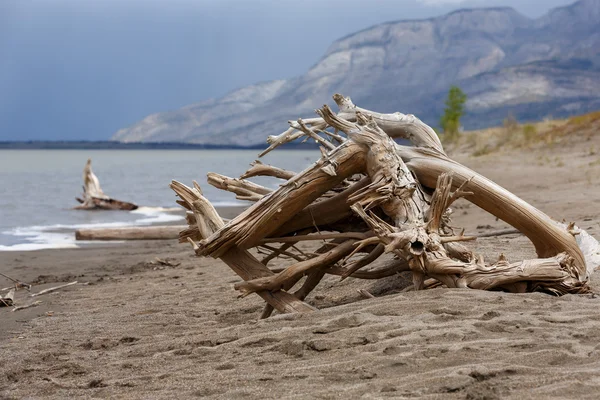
369	199
93	196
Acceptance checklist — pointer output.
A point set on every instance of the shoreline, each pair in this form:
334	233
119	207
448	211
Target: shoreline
115	145
50	267
228	212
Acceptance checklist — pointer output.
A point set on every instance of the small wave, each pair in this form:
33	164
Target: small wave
59	236
37	229
157	215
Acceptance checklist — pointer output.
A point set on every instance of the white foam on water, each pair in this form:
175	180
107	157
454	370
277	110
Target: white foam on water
38	240
61	236
155	215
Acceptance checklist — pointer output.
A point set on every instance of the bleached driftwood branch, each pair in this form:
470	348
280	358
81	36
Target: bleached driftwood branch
53	289
257	168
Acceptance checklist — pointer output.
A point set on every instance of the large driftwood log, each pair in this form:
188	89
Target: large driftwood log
366	194
131	233
93	196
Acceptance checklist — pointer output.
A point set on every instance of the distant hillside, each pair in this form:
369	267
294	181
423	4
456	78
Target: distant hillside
578	131
505	62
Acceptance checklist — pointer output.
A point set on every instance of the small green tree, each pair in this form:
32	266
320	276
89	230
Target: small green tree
454	110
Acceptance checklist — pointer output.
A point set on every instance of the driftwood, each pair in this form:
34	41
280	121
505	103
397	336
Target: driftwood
165	263
17	283
8	300
53	289
257	168
131	233
26	306
93	196
368	195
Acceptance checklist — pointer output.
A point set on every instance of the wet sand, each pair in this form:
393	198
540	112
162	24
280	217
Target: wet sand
137	329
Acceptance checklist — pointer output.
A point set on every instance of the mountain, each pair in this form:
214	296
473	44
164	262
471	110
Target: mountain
505	62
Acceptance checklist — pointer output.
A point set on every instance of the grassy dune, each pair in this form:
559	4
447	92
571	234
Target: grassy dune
545	134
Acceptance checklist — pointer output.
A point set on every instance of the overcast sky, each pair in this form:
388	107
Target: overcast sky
82	69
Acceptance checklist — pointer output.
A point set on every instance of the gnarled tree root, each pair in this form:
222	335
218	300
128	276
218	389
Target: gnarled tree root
387	208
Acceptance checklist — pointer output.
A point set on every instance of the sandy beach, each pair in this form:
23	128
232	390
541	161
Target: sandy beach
135	329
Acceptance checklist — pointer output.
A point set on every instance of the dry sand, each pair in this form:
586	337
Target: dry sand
140	330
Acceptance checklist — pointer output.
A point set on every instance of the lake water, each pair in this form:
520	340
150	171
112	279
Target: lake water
38	188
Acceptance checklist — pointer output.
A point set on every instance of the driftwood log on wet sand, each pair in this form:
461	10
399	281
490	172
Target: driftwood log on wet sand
93	196
368	195
131	233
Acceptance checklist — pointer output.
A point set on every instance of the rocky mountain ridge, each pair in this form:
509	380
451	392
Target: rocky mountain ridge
505	62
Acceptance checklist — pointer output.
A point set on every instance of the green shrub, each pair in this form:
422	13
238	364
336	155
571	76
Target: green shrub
455	109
